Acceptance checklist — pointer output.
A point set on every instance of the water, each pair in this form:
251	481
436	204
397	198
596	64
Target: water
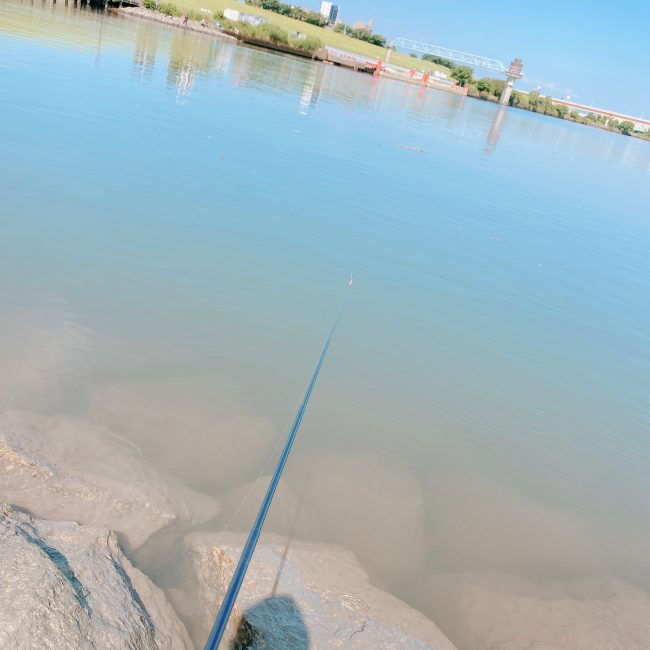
179	218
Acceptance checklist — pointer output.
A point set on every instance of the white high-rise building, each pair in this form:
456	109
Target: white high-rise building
329	11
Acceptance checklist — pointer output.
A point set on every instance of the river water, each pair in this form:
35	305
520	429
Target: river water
179	219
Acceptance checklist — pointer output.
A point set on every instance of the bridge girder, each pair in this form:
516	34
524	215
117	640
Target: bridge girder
453	55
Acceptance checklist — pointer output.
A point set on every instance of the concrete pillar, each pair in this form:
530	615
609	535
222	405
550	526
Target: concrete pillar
507	91
514	72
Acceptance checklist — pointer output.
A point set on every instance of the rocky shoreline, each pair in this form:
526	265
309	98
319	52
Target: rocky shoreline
73	495
211	30
173	21
100	550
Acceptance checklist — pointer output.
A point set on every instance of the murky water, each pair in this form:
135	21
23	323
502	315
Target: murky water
179	217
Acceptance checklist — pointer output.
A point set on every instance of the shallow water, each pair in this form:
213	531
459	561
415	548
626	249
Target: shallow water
179	218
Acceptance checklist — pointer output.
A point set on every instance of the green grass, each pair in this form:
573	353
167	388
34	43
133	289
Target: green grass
326	36
271	34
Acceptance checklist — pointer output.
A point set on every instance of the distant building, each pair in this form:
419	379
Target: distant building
330	12
366	27
240	16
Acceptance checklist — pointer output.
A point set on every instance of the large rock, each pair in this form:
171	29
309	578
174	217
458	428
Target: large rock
495	611
298	596
65	468
480	522
361	496
65	586
344	499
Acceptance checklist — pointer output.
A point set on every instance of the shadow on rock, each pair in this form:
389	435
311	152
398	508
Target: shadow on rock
274	624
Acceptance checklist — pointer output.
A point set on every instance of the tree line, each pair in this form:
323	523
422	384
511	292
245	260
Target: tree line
491	89
314	18
361	34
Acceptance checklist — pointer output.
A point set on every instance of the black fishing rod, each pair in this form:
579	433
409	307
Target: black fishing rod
242	566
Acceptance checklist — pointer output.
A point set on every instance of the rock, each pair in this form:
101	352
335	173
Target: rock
361	496
322	598
67	586
192	25
346	499
480	522
66	468
288	516
495	611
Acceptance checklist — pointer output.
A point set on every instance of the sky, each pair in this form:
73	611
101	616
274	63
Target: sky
593	51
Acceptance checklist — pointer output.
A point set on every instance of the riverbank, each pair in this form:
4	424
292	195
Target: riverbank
276	39
272	37
173	21
229	31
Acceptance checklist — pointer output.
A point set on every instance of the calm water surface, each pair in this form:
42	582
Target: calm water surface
179	217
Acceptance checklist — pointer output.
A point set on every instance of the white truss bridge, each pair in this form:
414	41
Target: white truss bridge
453	55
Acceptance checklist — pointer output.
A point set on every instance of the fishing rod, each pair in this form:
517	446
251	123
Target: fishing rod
249	548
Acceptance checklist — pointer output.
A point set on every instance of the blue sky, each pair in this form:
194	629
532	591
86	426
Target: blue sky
593	51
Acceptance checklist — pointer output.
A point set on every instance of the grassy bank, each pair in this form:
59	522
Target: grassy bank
290	25
267	35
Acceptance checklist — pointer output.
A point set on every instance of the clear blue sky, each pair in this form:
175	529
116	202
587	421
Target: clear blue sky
593	51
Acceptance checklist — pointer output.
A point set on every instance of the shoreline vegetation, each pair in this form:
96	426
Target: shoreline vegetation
212	10
490	89
274	36
264	35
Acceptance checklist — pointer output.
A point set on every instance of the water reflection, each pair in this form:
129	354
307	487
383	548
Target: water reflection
495	130
144	51
269	71
99	39
193	56
311	89
190	55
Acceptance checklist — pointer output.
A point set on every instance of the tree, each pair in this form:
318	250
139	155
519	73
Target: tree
439	60
626	127
515	99
499	86
485	85
547	107
463	75
561	110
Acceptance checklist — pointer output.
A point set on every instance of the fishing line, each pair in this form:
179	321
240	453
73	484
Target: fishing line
253	485
249	548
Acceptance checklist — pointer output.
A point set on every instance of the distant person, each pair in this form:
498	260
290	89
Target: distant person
185	19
